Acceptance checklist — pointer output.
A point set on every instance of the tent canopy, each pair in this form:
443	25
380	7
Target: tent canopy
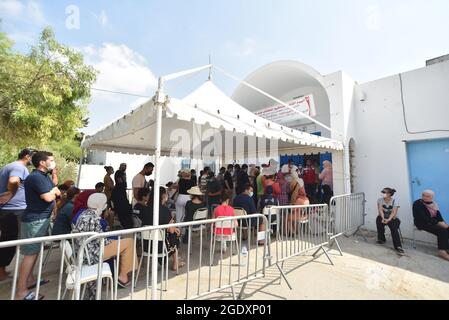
206	111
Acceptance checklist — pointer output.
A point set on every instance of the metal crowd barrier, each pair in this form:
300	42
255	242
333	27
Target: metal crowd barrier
298	230
44	242
232	269
347	214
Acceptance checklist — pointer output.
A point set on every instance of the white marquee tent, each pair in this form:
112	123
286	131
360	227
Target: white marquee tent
208	108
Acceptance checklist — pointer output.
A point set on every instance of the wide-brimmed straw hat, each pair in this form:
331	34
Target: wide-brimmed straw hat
268	171
195	191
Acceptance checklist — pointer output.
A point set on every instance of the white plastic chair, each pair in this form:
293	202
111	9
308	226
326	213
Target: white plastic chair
227	224
200	214
150	236
88	274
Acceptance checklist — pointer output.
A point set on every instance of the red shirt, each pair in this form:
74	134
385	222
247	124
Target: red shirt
224	211
309	175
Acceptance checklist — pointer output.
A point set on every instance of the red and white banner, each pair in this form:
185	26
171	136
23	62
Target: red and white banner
281	114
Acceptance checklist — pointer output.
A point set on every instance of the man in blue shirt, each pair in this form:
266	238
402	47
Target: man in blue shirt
12	204
245	201
40	195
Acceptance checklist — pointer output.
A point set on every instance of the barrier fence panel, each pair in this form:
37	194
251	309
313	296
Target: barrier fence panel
298	229
220	254
45	244
347	216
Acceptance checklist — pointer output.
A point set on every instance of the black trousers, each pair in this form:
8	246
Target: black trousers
310	190
9	229
394	228
441	233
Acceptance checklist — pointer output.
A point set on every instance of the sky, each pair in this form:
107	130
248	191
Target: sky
131	43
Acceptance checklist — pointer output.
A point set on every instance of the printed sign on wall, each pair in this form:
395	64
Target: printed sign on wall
281	114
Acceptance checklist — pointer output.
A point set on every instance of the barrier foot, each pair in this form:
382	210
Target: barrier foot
283	276
241	291
233	293
325	252
331	244
339	248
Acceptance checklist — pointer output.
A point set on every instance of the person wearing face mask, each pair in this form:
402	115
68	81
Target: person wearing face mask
90	220
12	204
427	217
387	216
246	202
40	196
139	180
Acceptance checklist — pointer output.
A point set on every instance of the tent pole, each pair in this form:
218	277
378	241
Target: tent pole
78	178
159	102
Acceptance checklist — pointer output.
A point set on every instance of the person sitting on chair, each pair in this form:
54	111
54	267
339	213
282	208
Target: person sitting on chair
388	211
427	217
245	201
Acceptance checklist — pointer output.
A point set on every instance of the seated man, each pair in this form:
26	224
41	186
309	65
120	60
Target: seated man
245	201
427	217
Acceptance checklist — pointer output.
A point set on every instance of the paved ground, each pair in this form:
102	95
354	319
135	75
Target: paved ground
365	271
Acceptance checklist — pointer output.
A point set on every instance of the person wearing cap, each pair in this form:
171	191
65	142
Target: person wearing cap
90	220
196	202
12	204
185	183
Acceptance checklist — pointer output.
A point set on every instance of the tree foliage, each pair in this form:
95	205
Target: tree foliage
43	98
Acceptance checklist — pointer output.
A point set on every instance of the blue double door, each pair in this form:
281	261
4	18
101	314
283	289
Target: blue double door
428	163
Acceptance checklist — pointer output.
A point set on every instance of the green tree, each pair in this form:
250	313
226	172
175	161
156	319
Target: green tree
43	100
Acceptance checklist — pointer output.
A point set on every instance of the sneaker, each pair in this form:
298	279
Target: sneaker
400	251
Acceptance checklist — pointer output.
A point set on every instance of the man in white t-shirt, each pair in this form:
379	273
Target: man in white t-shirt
289	170
139	180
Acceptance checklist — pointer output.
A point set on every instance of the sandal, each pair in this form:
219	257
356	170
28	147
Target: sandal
32	296
42	283
123	284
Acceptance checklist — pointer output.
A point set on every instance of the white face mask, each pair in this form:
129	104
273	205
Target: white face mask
251	194
52	166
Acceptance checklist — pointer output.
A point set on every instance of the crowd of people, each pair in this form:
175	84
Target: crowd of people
32	202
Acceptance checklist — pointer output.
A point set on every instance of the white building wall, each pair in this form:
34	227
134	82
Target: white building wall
380	150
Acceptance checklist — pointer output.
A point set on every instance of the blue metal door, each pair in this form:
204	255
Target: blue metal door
429	169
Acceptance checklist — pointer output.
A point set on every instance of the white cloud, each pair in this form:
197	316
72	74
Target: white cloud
120	69
11	8
245	48
31	11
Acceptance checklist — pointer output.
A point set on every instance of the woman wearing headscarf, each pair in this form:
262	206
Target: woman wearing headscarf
427	217
298	198
90	220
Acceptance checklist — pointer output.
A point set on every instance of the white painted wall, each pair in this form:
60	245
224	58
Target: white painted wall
380	153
